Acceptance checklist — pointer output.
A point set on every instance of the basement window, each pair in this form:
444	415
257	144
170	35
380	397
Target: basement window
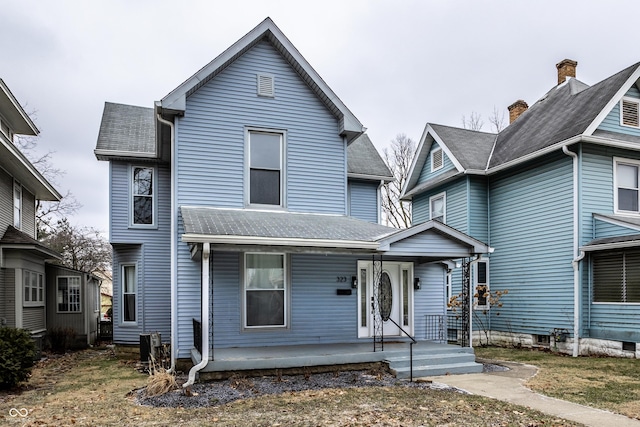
630	112
628	346
542	340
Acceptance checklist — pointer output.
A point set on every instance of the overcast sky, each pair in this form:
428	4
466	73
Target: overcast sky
396	64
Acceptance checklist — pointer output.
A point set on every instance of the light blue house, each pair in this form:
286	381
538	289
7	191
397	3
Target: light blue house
244	218
557	194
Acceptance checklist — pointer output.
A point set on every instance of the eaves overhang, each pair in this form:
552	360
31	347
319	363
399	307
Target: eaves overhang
595	246
378	178
283	242
107	155
17	118
432	183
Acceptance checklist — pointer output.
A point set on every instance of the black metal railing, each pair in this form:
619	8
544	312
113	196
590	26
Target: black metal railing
105	330
446	328
197	335
413	341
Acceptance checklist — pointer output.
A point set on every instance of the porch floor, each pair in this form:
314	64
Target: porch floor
297	356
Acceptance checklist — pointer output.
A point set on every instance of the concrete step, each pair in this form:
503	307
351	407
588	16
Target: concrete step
430	359
434	370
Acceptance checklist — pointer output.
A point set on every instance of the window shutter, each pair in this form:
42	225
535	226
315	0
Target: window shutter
608	277
266	85
436	159
630	113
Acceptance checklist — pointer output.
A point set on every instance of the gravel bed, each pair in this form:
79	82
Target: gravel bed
222	392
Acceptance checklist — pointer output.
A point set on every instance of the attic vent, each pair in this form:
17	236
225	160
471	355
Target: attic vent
436	159
266	85
630	113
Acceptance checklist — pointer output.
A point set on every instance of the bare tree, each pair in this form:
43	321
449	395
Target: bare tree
82	248
398	157
474	122
497	119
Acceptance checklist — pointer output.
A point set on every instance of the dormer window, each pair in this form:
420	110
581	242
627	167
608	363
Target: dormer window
266	85
265	174
630	112
436	159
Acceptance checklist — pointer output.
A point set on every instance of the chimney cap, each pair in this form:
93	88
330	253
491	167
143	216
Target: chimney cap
569	62
519	103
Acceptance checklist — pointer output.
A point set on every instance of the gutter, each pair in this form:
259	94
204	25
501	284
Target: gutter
173	251
535	154
578	255
204	319
279	241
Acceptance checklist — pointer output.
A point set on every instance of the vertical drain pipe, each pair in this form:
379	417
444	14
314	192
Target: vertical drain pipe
204	319
576	257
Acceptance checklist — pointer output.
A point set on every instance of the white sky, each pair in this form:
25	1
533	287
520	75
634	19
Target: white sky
396	64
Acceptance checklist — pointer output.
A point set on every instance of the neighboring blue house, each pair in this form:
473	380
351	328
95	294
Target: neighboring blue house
246	204
557	194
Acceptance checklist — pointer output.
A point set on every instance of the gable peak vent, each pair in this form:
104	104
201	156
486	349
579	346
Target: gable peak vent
266	85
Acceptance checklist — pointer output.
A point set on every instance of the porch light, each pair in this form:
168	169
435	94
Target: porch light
416	283
354	282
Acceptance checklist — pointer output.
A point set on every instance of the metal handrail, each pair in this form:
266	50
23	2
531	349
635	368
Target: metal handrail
413	341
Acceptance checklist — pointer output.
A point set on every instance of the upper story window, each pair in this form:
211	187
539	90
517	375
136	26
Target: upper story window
17	205
265	175
630	112
33	288
437	159
142	193
437	207
68	294
626	188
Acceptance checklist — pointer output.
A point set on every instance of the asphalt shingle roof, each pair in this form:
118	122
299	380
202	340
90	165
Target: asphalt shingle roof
13	236
364	159
471	148
280	225
617	239
127	128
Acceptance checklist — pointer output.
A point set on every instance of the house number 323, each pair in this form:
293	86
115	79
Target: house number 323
341	279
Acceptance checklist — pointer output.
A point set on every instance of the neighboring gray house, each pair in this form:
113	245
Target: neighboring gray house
557	194
244	218
22	257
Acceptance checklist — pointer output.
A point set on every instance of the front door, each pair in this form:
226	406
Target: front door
394	298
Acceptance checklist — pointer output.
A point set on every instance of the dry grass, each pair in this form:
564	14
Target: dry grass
601	382
91	388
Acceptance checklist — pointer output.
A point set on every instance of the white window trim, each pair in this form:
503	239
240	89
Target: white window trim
617	160
17	221
122	294
448	290
635	101
486	306
444	205
287	294
433	169
39	283
283	168
68	284
154	198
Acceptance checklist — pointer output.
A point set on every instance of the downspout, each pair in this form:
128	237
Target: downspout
204	319
577	257
174	227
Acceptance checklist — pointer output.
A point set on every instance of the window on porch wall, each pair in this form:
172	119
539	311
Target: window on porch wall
616	276
265	290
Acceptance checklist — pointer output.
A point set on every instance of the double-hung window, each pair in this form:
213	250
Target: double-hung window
627	189
482	284
68	294
129	292
437	207
265	174
33	288
265	290
142	193
17	205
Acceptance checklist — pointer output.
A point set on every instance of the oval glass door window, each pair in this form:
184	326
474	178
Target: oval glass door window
385	296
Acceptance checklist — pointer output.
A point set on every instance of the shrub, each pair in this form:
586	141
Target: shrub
61	339
17	351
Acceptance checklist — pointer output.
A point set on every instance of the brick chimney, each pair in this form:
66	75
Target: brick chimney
516	109
566	68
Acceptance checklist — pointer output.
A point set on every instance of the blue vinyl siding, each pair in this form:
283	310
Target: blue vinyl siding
456	204
130	255
420	208
426	174
211	137
606	229
531	229
478	208
363	200
611	123
429	300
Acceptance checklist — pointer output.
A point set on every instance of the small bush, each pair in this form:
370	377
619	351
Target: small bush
61	339
17	351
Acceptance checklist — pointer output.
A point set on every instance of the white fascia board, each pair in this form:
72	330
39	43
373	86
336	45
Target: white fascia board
607	246
616	222
377	178
118	153
612	102
611	142
417	163
278	241
422	188
21	113
535	154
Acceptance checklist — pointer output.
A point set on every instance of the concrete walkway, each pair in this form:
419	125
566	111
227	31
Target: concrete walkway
508	386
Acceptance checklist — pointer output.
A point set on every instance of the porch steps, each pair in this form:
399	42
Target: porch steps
459	361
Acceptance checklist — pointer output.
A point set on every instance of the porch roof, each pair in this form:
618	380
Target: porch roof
237	228
18	240
618	242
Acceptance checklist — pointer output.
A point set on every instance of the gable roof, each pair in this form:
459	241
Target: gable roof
126	131
175	101
17	118
364	161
